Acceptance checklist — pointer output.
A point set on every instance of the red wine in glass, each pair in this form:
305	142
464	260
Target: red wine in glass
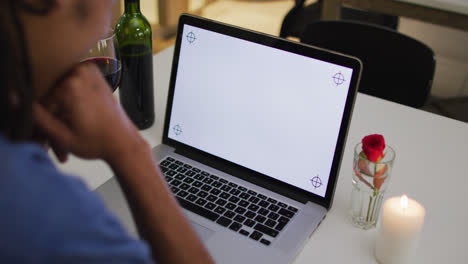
110	68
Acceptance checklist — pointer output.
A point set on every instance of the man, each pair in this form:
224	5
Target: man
47	97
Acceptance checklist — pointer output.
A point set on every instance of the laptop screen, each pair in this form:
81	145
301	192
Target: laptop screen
272	111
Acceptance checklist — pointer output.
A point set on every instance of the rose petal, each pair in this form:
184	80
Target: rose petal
363	166
378	177
358	174
373	147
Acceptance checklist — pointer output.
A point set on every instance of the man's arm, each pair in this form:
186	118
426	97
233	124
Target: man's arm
156	212
82	117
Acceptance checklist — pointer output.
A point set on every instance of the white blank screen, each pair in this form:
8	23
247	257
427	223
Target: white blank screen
272	111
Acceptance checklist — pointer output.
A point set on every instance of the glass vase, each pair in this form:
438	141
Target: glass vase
370	181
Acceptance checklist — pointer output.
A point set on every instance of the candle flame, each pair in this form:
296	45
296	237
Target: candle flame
404	202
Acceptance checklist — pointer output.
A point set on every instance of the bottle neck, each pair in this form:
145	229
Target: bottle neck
132	6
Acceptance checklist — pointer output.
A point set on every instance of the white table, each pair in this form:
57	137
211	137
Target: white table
431	166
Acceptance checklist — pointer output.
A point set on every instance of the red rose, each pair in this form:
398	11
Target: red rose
373	147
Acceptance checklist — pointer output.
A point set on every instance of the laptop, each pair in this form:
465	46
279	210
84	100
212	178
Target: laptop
253	137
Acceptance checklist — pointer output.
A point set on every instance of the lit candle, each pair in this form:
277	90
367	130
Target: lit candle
402	221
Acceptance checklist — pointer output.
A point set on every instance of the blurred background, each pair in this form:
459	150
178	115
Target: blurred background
449	44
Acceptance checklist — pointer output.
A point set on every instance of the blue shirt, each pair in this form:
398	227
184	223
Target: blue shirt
49	217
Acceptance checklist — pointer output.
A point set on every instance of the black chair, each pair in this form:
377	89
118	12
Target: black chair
300	16
395	67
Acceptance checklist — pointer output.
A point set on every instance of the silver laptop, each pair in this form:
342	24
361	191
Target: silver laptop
253	138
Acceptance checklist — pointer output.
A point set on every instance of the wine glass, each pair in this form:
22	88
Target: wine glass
105	54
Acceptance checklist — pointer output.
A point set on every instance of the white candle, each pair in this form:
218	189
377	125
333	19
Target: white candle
402	221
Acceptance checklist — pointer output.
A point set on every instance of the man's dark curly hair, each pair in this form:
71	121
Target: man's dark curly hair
16	84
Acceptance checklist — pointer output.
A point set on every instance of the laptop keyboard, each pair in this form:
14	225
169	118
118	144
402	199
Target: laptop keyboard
238	208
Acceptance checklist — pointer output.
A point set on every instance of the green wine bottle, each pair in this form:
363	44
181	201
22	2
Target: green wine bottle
133	32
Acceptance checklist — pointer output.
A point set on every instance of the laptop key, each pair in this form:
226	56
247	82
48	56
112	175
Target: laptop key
280	204
233	185
210	206
221	202
180	163
273	208
197	184
208	180
260	219
190	173
211	198
202	194
170	159
225	195
251	192
270	223
249	222
240	210
181	170
292	209
265	242
283	219
235	192
188	180
266	230
226	188
164	163
176	182
282	222
234	199
242	189
244	196
187	166
244	232
191	198
223	181
235	226
243	203
286	213
184	186
263	211
171	173
174	190
250	214
196	170
264	204
217	184
273	216
173	166
180	176
256	235
220	210
204	173
280	226
214	177
201	202
193	190
199	177
261	196
224	221
198	209
239	218
168	178
254	200
206	188
230	206
182	194
229	214
253	207
215	191
164	169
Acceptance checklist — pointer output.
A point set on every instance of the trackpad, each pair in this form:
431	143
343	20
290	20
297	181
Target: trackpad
203	232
